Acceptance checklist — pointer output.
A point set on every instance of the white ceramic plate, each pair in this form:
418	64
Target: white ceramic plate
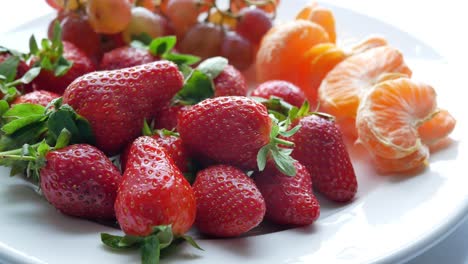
391	220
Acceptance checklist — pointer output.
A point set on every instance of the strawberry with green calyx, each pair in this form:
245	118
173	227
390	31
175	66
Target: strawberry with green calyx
79	180
116	102
60	61
12	67
31	123
319	146
237	131
154	202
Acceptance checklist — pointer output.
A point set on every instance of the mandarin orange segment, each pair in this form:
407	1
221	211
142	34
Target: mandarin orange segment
414	161
342	89
281	55
388	117
320	15
323	57
437	128
368	43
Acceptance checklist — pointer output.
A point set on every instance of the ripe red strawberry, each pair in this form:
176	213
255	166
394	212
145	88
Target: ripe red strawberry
47	80
20	71
117	102
287	91
228	202
40	97
227	130
173	146
230	82
289	200
153	192
124	57
167	117
319	146
79	180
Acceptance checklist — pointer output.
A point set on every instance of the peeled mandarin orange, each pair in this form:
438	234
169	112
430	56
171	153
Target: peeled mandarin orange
341	90
320	15
368	43
389	115
323	57
437	128
282	52
414	161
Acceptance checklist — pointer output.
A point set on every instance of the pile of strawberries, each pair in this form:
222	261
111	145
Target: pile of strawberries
188	147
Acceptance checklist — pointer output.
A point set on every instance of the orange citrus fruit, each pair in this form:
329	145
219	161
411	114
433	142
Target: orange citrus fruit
282	52
437	128
412	162
368	43
389	116
320	15
341	90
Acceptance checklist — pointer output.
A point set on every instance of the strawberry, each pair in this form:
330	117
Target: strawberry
154	201
319	146
167	117
49	79
116	102
230	82
167	197
287	91
173	146
228	202
81	181
289	200
40	97
124	57
232	130
78	180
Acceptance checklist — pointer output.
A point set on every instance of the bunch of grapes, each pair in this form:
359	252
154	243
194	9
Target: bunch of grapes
203	27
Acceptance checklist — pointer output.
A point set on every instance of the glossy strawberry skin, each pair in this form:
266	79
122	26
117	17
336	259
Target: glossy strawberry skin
173	146
167	116
79	180
82	64
287	91
40	97
116	102
319	146
230	82
125	57
153	192
228	202
226	130
289	200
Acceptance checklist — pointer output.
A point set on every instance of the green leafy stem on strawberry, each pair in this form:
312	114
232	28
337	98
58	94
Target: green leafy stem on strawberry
199	84
31	123
29	159
49	56
159	243
8	72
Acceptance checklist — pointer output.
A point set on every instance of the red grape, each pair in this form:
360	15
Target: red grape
238	50
253	24
203	40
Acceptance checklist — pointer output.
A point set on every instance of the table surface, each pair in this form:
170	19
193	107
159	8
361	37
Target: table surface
433	22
